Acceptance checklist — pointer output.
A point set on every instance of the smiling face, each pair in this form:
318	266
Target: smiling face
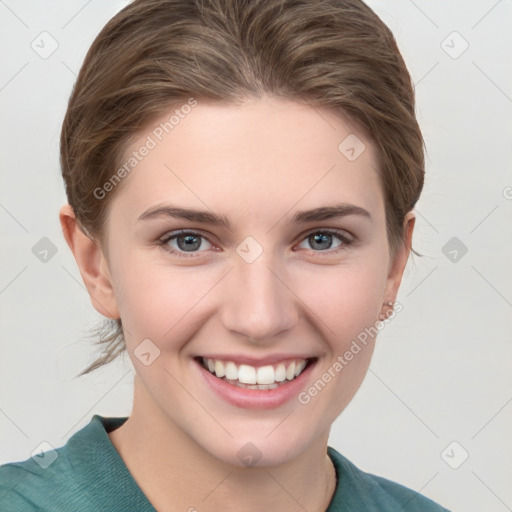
288	262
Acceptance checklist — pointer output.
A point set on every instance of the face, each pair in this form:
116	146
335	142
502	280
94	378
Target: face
286	264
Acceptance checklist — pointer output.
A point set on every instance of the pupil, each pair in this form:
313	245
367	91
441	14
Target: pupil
322	238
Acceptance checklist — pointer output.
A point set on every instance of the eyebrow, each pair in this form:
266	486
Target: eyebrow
204	217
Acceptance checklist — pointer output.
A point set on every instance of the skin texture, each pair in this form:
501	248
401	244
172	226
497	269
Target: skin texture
257	165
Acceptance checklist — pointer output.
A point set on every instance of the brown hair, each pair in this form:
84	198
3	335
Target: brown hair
156	54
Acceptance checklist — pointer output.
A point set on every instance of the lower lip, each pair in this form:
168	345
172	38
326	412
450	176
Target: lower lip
256	398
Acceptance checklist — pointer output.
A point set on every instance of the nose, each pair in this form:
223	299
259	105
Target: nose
258	302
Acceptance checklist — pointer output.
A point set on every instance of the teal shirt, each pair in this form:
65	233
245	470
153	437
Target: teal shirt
89	475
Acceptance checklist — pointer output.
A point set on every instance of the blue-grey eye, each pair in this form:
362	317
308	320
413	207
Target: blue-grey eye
322	240
186	242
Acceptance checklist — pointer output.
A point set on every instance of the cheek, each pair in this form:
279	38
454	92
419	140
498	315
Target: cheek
159	302
345	299
346	303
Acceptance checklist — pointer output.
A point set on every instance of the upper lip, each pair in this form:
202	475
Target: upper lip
255	361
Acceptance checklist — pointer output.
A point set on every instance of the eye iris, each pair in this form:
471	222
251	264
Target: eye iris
192	242
321	238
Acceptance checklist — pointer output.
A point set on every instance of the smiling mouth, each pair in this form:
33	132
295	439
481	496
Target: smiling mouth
251	377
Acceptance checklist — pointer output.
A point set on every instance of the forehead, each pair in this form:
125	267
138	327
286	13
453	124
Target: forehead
269	154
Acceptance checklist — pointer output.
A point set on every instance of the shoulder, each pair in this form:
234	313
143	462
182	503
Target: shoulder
28	486
58	479
358	490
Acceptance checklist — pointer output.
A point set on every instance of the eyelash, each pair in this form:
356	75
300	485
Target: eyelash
346	241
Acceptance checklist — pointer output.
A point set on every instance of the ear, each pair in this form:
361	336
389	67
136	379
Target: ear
91	263
399	261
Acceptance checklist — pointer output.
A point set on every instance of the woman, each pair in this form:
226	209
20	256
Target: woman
241	178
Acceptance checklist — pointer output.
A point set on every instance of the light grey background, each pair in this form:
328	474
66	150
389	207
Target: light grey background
442	368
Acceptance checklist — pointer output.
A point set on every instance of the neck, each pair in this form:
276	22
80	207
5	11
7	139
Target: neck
176	473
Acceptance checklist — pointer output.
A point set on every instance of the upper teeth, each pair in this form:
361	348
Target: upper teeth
251	375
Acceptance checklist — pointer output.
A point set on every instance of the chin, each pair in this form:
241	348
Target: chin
259	451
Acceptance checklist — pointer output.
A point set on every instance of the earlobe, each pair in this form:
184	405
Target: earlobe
397	265
91	263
